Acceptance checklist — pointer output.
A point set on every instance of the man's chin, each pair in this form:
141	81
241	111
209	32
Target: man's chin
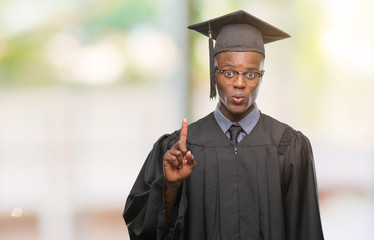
240	109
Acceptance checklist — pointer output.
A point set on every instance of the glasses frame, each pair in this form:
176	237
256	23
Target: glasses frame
234	79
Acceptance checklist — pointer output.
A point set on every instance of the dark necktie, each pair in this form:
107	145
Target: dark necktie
234	131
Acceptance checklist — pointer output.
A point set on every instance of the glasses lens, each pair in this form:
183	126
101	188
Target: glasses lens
230	74
250	75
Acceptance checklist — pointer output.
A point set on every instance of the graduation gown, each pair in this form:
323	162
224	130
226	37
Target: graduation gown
264	190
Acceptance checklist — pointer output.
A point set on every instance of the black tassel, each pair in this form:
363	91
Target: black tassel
213	92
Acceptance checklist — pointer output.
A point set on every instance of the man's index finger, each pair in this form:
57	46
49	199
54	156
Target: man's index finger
183	135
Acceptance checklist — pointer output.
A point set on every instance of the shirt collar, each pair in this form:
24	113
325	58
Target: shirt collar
247	123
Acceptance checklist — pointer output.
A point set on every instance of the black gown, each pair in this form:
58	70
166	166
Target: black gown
266	191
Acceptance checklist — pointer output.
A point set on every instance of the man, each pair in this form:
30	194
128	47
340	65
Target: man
236	173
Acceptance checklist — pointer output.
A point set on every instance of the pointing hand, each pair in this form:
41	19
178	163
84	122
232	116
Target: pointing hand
178	162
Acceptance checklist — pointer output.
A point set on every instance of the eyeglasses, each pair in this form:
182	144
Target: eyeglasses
250	77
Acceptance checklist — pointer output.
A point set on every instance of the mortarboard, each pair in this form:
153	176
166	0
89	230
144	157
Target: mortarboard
236	32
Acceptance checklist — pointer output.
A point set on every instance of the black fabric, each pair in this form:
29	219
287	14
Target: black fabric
267	191
234	131
268	33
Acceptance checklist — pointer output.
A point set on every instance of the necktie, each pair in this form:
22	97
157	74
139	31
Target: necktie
234	131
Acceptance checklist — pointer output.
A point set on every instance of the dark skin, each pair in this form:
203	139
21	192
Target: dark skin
236	102
236	99
178	165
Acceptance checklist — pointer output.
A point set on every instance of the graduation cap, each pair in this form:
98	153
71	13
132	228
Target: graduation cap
236	32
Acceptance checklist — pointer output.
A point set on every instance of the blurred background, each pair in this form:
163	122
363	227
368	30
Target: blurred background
87	87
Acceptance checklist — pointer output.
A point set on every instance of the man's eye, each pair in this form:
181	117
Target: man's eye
250	75
229	74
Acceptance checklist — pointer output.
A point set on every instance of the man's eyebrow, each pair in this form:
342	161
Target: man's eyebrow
227	65
253	68
230	65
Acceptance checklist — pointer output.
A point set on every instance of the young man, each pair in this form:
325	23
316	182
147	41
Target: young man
236	173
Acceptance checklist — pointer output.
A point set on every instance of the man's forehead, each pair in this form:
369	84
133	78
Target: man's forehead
244	56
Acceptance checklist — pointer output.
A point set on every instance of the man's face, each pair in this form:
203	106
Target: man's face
236	99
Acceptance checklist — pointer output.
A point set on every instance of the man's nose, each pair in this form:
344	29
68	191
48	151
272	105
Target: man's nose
240	81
